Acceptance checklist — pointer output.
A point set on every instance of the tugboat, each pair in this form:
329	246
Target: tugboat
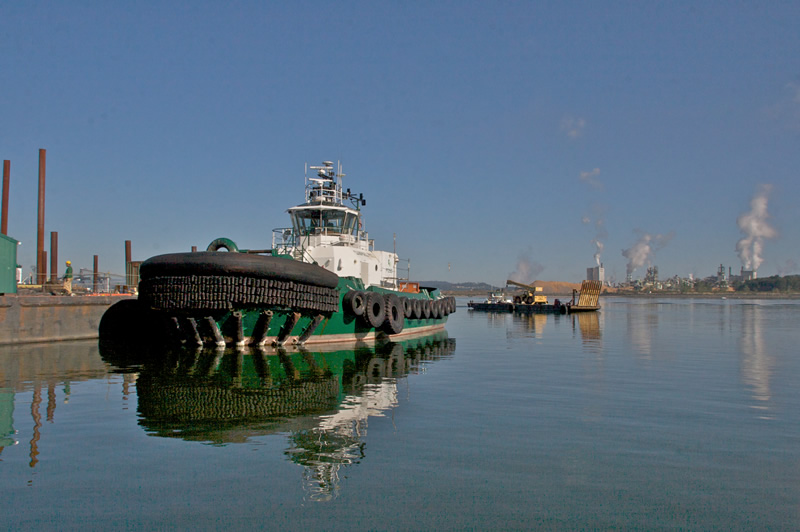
322	281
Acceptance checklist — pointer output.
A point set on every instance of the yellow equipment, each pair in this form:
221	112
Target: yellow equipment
530	297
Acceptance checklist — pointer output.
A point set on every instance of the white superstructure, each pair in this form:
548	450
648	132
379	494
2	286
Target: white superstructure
327	232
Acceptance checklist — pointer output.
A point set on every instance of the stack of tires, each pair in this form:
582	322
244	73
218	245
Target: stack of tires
388	311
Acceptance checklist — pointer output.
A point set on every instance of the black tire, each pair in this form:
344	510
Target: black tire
233	264
355	303
416	309
427	309
408	307
375	310
436	309
395	317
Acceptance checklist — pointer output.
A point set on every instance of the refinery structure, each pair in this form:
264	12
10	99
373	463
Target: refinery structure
722	280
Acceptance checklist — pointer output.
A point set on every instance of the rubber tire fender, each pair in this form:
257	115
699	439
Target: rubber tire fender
354	302
375	310
237	264
395	317
408	306
416	309
427	309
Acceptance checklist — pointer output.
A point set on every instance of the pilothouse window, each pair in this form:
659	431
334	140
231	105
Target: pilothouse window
325	220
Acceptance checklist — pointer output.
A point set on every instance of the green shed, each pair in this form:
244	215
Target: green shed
8	265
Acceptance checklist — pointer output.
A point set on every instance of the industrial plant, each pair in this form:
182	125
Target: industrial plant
722	280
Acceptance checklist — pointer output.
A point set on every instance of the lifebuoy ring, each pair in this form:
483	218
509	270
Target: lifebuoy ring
395	317
375	310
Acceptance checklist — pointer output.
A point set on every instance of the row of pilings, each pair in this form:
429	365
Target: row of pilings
41	274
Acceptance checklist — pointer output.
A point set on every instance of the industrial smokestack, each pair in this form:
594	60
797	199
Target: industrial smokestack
41	261
6	178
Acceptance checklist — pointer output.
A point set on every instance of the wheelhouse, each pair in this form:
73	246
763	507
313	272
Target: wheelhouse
328	219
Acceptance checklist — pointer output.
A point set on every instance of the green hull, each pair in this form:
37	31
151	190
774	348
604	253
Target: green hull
250	324
287	328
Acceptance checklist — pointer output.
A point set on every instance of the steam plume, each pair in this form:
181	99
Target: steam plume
590	178
527	269
598	250
600	232
643	251
756	229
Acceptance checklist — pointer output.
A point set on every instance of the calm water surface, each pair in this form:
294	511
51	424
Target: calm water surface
650	414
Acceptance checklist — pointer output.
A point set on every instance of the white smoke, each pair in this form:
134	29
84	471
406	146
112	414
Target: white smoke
573	127
590	178
643	251
756	229
527	269
600	232
599	250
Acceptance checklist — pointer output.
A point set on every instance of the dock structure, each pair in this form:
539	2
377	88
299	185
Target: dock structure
43	318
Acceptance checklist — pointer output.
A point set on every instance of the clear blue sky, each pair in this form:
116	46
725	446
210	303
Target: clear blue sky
481	133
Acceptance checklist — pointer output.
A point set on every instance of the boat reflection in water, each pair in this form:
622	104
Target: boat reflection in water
323	399
589	325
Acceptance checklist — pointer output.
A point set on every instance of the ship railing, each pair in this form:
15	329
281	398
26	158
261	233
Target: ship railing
284	240
403	269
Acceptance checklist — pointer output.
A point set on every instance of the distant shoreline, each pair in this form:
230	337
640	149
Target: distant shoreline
657	295
706	295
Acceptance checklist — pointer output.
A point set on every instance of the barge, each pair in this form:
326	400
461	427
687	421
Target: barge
322	281
584	300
